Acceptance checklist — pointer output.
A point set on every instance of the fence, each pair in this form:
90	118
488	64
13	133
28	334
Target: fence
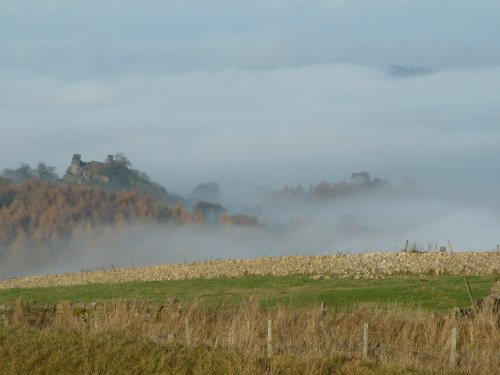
366	347
369	350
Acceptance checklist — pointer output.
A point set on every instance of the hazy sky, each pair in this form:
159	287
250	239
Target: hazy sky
105	39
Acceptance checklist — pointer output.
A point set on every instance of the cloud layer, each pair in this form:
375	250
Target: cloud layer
271	127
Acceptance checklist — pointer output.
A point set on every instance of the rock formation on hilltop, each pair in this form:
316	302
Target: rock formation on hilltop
114	175
80	172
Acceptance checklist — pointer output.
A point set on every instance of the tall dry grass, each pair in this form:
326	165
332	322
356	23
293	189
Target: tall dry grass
397	337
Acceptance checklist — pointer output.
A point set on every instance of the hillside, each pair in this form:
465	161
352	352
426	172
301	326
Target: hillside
46	221
38	219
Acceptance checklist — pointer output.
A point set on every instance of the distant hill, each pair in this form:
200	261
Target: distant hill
113	175
404	71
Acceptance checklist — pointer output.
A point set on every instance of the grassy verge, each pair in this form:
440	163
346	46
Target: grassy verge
430	293
130	337
26	351
29	351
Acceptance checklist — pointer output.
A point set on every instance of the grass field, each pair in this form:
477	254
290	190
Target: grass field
142	330
430	293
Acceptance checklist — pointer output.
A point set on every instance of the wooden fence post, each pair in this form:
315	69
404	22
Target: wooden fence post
365	341
406	246
188	334
269	338
453	348
498	248
469	291
449	245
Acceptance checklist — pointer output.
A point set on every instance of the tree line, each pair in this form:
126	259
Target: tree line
359	182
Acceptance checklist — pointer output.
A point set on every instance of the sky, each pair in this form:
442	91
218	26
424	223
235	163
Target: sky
258	93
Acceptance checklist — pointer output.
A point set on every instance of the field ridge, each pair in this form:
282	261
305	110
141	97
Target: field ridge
372	265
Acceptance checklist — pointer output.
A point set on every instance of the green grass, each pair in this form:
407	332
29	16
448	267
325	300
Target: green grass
431	293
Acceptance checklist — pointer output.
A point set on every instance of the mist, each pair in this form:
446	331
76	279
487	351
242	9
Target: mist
258	96
363	225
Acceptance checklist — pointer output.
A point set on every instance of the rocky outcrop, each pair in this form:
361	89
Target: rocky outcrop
90	172
112	175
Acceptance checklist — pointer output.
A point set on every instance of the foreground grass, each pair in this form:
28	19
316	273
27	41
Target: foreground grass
130	337
57	351
430	293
